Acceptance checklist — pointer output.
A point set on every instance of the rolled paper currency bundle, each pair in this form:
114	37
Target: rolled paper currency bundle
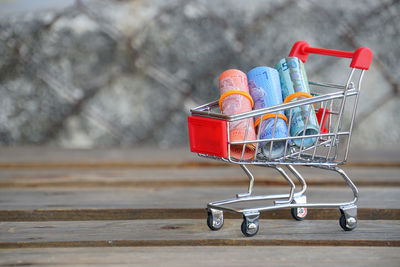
235	99
294	85
265	89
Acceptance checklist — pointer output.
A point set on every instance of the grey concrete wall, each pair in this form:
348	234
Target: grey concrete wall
126	73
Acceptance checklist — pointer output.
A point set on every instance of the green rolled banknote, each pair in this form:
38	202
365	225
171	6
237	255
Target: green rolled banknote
293	79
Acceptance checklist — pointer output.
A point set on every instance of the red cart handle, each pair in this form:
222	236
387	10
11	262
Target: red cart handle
361	58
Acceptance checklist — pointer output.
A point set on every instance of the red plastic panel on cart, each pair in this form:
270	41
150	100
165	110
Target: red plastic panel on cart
208	136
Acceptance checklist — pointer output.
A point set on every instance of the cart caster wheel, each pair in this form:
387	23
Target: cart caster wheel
348	217
349	224
250	225
299	214
215	219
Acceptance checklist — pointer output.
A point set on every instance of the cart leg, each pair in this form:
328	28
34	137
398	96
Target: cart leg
349	183
251	182
299	178
292	186
299	213
348	218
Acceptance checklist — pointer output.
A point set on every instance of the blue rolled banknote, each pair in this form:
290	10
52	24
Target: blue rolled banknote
293	79
265	89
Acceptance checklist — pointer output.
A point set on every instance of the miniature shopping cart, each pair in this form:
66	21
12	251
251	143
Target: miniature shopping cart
335	107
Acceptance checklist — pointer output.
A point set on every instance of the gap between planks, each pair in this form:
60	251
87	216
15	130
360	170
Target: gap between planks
157	214
182	183
199	242
160	164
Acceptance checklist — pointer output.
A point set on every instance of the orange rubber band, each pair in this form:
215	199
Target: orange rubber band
235	92
269	116
296	95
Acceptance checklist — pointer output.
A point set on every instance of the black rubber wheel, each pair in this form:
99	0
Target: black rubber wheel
249	232
342	222
210	222
295	216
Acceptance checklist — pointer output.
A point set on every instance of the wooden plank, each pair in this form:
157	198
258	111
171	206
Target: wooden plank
51	157
205	256
174	202
207	176
191	232
384	156
175	197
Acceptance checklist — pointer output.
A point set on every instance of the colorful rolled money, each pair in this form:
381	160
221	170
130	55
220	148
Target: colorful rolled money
235	99
265	89
294	85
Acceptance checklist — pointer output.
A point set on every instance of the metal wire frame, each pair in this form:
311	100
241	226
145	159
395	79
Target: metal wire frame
292	155
297	155
288	198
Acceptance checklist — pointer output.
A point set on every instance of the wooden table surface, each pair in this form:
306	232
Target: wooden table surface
146	207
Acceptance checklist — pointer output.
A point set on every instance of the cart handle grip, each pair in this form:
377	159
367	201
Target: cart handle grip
361	58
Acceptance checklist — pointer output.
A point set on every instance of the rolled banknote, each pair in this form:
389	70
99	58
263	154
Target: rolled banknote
235	99
265	89
294	85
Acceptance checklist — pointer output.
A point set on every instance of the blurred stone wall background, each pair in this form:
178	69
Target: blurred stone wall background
125	73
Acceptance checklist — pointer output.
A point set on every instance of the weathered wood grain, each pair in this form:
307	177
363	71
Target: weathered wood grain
51	157
174	202
205	256
190	232
175	197
195	213
177	177
90	203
